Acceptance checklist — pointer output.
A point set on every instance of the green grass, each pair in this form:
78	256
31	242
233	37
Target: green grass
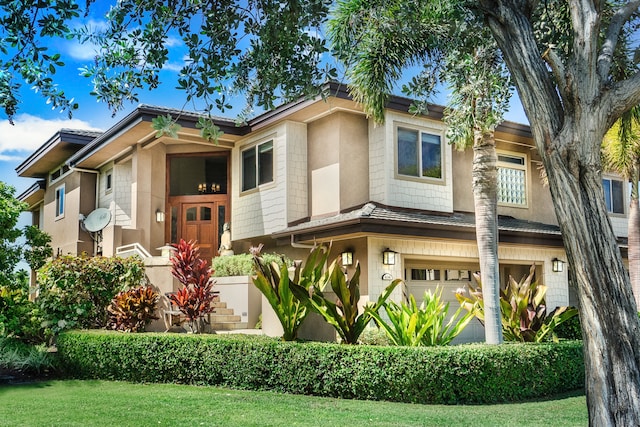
103	403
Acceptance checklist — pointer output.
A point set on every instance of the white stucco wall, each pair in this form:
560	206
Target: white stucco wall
387	188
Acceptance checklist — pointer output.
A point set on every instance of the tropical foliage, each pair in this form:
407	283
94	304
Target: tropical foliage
423	325
74	291
196	295
243	265
133	309
276	283
523	307
343	314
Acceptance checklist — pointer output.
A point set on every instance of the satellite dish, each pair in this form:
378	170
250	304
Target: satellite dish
97	220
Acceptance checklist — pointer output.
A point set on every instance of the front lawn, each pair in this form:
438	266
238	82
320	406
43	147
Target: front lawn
104	403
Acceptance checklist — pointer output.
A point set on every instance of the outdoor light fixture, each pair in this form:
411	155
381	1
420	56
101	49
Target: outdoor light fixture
347	257
159	216
388	257
557	265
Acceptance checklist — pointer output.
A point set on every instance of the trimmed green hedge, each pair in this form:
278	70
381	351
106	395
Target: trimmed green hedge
455	374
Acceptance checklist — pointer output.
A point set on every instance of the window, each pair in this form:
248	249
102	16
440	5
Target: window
60	202
58	173
257	165
419	154
108	181
512	179
613	195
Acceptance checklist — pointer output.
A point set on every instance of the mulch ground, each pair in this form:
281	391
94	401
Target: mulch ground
14	377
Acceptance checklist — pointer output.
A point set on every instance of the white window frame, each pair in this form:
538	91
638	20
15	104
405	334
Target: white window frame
501	164
257	166
622	191
60	201
420	131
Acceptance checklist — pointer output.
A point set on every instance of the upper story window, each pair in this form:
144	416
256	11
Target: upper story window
58	173
613	195
108	181
419	154
60	196
512	179
257	165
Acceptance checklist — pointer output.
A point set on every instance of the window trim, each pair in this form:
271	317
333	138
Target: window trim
255	148
60	207
622	191
524	167
429	131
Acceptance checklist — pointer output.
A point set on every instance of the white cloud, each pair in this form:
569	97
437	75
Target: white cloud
30	132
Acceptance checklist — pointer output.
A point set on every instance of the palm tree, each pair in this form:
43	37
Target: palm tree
621	154
379	43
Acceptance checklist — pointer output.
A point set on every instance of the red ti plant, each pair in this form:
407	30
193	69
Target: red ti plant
195	297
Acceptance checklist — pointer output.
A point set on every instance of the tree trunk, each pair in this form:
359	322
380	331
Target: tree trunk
633	233
608	312
570	110
485	200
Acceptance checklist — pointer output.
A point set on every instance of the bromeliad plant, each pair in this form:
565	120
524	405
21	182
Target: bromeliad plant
343	314
195	297
275	283
424	325
132	310
523	307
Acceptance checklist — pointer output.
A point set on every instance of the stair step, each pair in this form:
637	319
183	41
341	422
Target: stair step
224	318
219	304
227	326
222	310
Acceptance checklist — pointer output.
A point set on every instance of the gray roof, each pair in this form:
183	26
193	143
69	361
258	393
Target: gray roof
375	218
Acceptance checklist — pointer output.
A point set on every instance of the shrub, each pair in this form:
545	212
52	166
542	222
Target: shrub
413	325
196	295
132	310
569	330
74	291
243	265
523	309
16	355
272	279
453	375
344	314
19	317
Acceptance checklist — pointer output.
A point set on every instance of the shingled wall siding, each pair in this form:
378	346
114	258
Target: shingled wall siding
387	188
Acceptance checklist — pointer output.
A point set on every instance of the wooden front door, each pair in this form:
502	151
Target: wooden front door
199	223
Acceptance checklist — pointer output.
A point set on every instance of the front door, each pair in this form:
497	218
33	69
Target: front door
199	224
198	199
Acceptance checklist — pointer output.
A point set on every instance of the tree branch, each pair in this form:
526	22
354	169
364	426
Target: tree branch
558	70
623	96
619	18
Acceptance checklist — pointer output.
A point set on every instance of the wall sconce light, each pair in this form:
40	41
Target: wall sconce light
557	266
159	216
347	257
388	257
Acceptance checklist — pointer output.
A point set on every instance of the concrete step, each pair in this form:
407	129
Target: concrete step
222	310
224	318
219	304
227	326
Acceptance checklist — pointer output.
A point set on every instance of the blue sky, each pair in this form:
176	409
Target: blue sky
36	121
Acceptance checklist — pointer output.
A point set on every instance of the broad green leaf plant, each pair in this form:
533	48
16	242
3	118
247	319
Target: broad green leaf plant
423	325
523	307
275	283
343	314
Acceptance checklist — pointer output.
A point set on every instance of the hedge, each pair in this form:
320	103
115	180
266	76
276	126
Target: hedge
450	375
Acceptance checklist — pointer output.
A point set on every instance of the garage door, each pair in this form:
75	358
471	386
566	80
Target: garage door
422	276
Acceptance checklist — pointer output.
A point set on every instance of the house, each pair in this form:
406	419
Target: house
307	172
